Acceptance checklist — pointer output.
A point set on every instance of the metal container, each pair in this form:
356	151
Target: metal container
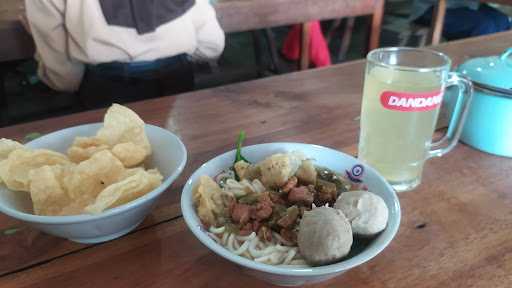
489	123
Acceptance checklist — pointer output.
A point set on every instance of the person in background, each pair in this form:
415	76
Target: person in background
121	50
464	18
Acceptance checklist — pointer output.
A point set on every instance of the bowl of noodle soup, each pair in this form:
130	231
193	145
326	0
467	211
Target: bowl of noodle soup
277	261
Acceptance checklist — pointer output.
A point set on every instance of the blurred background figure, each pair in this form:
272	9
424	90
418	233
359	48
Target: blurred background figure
122	50
464	18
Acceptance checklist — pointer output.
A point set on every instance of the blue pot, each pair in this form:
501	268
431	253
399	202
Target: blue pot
488	126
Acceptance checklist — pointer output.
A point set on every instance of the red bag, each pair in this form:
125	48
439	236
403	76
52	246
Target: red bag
318	50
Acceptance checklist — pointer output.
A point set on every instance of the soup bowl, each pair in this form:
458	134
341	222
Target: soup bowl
169	155
326	157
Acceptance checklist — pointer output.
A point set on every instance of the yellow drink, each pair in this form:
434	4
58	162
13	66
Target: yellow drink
396	125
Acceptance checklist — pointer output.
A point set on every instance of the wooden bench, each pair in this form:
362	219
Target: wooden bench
234	16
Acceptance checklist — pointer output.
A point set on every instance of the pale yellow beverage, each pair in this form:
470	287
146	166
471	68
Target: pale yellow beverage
396	142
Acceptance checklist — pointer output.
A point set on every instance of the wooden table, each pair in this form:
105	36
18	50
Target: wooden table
456	227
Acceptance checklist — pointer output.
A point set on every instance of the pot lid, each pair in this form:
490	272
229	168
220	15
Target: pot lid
492	71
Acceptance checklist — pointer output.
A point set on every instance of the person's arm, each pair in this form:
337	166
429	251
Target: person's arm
56	68
210	37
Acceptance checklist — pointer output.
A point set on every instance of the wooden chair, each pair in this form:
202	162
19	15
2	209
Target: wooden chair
436	29
246	15
346	37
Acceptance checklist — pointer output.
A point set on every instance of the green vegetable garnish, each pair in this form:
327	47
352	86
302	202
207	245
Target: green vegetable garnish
32	136
11	231
239	142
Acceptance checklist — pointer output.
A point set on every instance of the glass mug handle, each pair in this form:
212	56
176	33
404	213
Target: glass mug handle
464	96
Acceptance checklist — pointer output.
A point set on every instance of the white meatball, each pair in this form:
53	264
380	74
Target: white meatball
366	211
324	236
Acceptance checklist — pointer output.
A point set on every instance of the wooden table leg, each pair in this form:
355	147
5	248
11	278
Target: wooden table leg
272	46
436	27
346	39
332	30
258	52
376	27
304	47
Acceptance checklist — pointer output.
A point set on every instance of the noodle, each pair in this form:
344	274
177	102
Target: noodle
276	258
247	205
251	247
224	239
281	239
301	262
234	187
244	238
242	188
290	256
259	253
258	186
242	248
236	245
278	251
231	238
219	230
214	238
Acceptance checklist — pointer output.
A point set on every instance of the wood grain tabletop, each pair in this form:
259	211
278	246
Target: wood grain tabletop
455	231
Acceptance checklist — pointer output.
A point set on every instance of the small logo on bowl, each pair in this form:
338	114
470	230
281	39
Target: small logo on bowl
356	173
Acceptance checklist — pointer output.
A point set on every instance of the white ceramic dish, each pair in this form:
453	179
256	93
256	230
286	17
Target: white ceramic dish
169	156
335	160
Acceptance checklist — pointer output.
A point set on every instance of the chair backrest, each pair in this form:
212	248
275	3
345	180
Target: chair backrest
436	28
244	15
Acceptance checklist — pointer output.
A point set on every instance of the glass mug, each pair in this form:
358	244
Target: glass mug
403	92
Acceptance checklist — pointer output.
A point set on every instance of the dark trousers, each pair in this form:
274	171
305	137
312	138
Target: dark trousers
116	82
464	22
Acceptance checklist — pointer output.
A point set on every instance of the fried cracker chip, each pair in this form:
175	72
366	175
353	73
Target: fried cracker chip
122	125
130	172
122	132
74	208
3	164
7	146
91	176
84	147
129	153
15	169
49	197
129	189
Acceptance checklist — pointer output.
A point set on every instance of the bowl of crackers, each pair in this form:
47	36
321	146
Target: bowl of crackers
90	183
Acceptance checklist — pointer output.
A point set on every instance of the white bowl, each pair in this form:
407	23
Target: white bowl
335	160
169	156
